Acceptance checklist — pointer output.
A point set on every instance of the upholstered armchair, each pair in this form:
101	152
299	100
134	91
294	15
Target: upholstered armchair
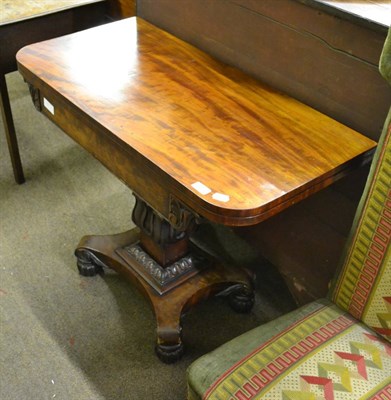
334	348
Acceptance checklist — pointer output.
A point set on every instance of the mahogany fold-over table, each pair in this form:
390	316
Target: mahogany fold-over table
195	140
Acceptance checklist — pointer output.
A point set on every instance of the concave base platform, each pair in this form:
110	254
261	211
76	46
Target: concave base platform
205	277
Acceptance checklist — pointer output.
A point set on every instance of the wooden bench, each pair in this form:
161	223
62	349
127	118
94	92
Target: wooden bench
195	140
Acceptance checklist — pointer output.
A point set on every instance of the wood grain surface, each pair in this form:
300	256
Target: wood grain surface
230	146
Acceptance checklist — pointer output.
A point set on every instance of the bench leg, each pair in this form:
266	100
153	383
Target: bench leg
176	278
10	132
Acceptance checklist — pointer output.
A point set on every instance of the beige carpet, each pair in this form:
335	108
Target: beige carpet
63	336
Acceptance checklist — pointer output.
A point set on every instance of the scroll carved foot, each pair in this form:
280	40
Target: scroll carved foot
240	297
242	300
169	354
169	347
88	263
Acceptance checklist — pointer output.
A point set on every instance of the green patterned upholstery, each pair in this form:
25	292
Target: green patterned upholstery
331	349
363	287
319	351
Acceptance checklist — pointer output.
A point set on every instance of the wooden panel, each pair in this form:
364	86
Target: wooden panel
314	56
305	242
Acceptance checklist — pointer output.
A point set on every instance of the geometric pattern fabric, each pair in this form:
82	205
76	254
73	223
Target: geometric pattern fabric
364	283
327	355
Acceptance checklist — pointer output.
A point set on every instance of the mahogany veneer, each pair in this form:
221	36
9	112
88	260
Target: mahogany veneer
193	138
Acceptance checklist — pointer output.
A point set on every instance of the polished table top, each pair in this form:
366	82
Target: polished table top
233	149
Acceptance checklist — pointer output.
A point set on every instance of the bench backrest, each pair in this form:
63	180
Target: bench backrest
363	285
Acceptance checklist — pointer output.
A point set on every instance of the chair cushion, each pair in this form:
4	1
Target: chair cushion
315	352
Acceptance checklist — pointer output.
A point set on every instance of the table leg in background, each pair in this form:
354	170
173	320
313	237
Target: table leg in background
10	132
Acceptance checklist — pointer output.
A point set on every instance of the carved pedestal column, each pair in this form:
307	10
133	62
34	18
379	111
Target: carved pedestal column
174	274
163	253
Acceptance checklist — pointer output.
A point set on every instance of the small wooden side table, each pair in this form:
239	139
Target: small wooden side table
28	21
194	139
